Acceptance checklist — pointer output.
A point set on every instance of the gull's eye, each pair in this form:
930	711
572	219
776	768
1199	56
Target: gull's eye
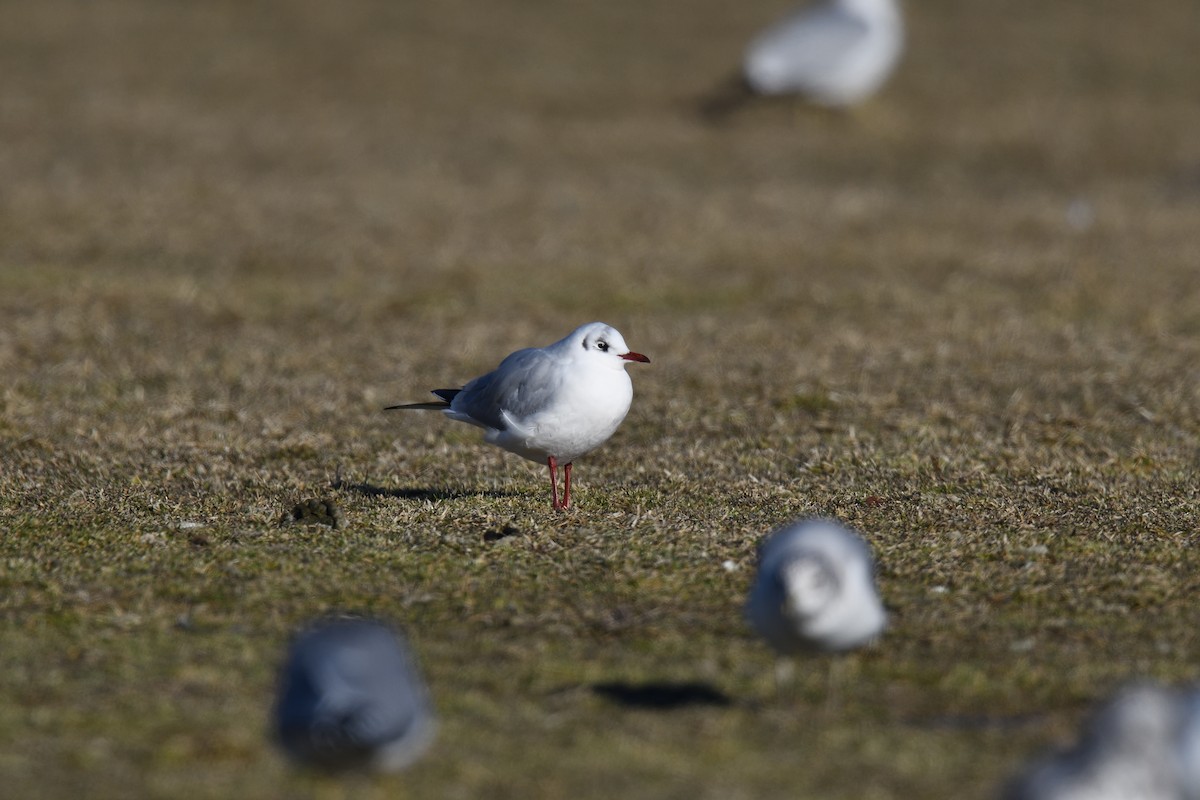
602	346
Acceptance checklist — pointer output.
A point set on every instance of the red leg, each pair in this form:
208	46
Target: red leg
552	462
567	487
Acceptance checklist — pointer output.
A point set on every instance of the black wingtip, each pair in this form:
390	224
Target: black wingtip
428	406
445	396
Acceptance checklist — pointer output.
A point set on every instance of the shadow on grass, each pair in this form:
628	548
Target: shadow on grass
661	696
415	493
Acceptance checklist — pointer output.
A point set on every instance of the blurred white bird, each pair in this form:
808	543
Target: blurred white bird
350	697
1135	747
815	590
549	404
834	54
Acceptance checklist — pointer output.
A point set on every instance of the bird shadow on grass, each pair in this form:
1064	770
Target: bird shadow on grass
415	493
661	695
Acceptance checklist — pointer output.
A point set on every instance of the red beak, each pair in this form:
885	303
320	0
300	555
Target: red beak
631	356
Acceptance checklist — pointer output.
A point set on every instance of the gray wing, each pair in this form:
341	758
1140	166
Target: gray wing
809	42
524	384
762	609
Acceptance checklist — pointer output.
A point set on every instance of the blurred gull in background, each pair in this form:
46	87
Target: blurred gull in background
815	590
1143	744
834	54
350	697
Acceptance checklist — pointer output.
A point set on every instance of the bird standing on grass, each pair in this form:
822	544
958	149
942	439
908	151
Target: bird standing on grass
350	697
815	591
834	54
549	404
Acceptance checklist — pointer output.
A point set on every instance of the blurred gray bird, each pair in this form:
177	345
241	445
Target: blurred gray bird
1140	745
834	54
1189	745
350	697
815	590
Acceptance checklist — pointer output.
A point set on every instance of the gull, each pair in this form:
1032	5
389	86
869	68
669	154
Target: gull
1139	745
350	696
549	404
815	590
834	54
814	593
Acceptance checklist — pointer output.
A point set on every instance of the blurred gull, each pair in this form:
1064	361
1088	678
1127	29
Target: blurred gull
1140	745
350	697
549	404
836	54
1189	745
815	590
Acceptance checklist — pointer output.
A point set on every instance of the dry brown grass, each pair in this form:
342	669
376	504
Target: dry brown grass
229	236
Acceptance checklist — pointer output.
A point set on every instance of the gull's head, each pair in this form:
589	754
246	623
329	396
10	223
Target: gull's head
1139	718
602	343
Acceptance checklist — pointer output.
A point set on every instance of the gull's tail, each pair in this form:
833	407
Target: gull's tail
445	395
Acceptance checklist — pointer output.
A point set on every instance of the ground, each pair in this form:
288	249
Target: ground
963	318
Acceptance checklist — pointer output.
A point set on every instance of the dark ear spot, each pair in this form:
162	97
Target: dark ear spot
585	343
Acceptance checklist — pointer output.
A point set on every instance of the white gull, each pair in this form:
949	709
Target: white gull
835	54
815	590
549	404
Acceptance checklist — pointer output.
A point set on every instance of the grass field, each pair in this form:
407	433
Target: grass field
964	319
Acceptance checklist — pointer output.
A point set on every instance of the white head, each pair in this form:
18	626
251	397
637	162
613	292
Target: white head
1139	719
809	585
601	344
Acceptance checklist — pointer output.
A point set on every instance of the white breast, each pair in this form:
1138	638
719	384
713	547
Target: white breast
584	414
